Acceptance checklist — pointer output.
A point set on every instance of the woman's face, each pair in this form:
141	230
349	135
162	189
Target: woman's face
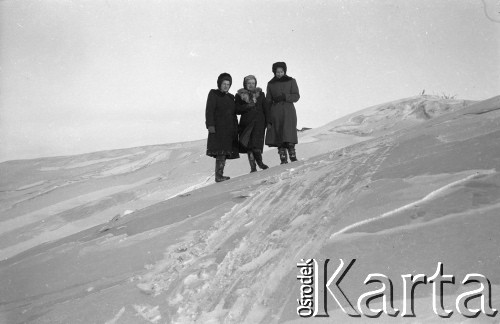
280	72
225	85
251	84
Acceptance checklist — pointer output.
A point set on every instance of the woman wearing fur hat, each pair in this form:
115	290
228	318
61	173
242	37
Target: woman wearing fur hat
282	92
222	125
252	106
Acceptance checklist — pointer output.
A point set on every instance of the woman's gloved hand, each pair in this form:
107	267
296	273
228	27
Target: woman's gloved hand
280	98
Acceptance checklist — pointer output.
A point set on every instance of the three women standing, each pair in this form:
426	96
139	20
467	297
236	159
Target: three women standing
222	125
252	106
282	92
276	110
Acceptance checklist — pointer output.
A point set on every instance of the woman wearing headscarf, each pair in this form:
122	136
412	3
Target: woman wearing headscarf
282	92
222	125
252	106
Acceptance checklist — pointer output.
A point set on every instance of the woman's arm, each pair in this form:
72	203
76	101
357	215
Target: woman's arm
267	113
294	95
210	110
241	105
269	97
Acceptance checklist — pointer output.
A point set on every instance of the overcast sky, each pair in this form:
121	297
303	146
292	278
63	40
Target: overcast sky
82	76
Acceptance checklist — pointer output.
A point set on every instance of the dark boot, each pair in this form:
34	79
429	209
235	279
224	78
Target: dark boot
258	159
220	163
282	153
291	152
251	160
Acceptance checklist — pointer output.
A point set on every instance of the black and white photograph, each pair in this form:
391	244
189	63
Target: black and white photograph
249	161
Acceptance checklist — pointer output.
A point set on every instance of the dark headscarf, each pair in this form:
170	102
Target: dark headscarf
224	77
279	64
284	78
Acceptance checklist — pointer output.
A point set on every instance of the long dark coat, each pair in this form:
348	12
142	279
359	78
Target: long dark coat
282	115
220	112
253	121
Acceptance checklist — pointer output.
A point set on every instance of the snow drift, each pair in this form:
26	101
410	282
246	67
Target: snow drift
120	237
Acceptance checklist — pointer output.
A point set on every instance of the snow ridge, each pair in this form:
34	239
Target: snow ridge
431	195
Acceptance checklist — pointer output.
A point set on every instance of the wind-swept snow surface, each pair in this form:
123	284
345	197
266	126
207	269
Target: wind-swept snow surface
398	197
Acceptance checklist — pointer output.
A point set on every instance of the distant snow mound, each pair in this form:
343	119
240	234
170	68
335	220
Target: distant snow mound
398	114
428	109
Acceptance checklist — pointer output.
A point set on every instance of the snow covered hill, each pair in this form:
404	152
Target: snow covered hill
399	187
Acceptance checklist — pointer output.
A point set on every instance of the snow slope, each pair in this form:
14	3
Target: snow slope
398	187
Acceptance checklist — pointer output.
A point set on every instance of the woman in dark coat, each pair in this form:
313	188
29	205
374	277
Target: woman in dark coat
252	106
282	92
222	125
